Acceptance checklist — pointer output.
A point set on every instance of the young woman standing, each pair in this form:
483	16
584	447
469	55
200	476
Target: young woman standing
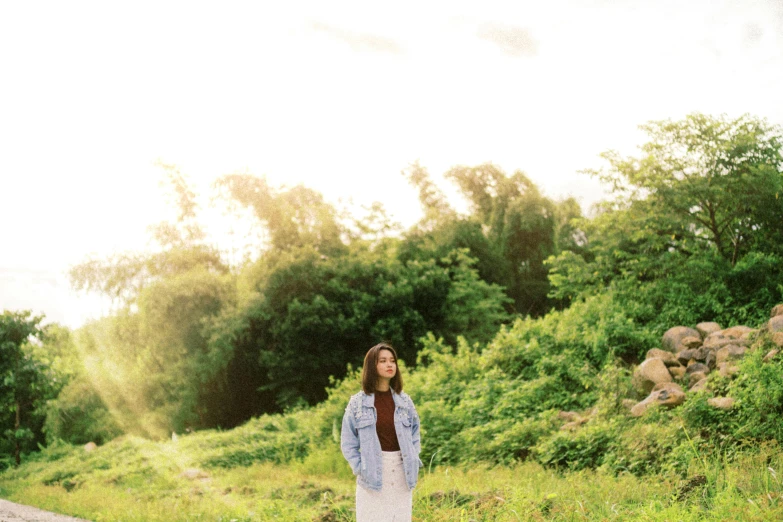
380	440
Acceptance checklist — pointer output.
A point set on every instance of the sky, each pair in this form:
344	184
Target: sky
340	96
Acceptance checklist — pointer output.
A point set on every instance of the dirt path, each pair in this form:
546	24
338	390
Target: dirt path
10	512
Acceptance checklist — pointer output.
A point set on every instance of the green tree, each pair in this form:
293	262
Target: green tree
693	232
511	229
24	380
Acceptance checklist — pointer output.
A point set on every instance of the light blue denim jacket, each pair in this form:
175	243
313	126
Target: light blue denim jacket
361	447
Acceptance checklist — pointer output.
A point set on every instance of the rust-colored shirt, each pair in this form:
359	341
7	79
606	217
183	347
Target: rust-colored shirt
384	405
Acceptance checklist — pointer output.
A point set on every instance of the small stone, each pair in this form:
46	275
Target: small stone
777	338
90	446
770	355
776	310
722	403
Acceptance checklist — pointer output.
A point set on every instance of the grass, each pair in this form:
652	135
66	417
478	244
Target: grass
132	479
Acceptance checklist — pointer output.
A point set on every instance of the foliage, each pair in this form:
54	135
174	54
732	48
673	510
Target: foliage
693	233
347	304
511	230
26	383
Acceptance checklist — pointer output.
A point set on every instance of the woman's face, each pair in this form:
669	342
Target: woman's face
387	366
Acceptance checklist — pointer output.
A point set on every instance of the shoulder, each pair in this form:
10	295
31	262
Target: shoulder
355	402
407	400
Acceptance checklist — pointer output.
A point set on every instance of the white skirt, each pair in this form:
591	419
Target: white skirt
394	502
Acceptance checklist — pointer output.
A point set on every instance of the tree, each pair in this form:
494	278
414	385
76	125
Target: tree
24	380
693	232
511	230
706	182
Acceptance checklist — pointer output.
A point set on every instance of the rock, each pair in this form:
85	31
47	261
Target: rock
706	329
677	371
628	403
663	397
722	403
699	386
776	310
728	368
568	415
711	360
650	373
691	342
668	358
771	355
777	338
668	386
696	377
775	324
737	332
686	356
730	352
697	367
673	336
90	446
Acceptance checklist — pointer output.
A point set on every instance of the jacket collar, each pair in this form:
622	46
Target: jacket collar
369	400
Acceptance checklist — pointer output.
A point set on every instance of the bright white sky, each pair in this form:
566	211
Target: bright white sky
340	96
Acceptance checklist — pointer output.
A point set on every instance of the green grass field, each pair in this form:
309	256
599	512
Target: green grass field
135	480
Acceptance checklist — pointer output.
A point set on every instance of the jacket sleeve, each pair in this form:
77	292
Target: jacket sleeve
349	441
415	425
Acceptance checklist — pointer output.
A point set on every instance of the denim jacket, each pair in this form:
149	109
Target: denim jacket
361	447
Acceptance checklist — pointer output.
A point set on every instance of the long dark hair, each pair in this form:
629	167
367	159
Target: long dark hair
370	369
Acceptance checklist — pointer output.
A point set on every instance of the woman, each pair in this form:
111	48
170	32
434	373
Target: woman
380	440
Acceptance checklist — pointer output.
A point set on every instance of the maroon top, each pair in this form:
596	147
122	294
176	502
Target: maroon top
384	405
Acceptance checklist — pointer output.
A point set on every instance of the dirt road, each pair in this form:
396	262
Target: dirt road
10	512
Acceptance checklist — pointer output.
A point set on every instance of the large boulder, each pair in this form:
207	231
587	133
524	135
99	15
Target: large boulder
649	373
673	336
777	339
706	329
